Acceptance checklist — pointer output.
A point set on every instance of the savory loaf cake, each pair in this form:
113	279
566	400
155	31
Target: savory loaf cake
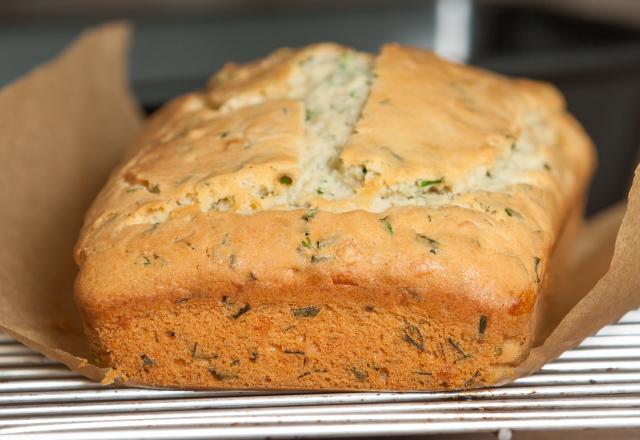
328	219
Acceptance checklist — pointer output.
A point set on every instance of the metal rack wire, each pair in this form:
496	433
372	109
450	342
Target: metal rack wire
596	385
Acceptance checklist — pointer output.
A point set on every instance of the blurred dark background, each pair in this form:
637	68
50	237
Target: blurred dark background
590	49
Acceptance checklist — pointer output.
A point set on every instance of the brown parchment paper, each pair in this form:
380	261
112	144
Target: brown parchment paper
65	125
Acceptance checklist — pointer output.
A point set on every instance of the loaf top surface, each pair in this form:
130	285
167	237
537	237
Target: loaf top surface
325	170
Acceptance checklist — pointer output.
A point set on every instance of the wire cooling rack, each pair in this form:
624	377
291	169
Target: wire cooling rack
596	385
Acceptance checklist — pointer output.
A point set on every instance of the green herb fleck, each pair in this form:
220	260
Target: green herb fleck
241	311
434	245
546	166
537	261
513	145
319	191
512	212
307	216
318	259
426	183
221	376
306	312
224	134
488	174
306	373
307	241
285	180
423	373
471	381
458	349
361	376
232	261
482	324
253	356
146	262
412	336
295	352
387	224
235	362
147	362
310	114
134	188
196	355
155	189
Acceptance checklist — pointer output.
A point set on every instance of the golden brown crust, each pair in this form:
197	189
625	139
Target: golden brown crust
427	284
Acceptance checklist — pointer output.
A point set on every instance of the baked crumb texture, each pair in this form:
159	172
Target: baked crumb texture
328	219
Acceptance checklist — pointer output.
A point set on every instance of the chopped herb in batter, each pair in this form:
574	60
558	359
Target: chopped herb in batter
296	352
426	183
147	362
241	311
306	312
482	324
307	241
537	268
387	224
512	212
434	245
310	114
458	349
196	355
285	180
310	214
361	376
412	336
155	189
221	376
318	259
